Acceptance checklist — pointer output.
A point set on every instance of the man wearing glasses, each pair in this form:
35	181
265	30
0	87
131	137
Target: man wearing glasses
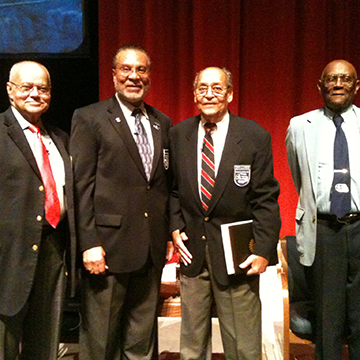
323	152
121	159
223	173
36	212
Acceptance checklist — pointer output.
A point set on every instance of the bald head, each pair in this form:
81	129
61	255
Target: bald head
338	85
28	89
27	67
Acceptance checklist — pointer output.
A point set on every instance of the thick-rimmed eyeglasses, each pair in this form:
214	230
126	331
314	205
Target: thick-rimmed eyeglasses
28	88
345	79
216	90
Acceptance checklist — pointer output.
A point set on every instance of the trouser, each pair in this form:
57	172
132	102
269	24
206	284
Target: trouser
238	309
36	328
334	278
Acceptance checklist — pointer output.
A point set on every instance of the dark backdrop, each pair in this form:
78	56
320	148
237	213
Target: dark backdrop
276	51
74	76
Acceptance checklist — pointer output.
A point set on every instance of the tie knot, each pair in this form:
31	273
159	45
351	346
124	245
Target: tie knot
136	111
34	129
210	127
338	120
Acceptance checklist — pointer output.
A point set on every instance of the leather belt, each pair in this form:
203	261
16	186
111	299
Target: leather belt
347	219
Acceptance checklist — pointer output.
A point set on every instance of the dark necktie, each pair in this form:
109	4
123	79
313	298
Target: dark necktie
207	166
142	143
340	197
52	203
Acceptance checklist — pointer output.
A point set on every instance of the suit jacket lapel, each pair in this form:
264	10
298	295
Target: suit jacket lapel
311	133
229	158
118	121
17	135
191	151
156	134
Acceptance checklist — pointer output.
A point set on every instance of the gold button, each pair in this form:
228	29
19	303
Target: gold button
39	218
203	237
207	218
35	247
41	188
314	219
149	187
146	215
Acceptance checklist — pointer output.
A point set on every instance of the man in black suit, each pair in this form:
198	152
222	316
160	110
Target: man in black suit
36	211
242	187
121	186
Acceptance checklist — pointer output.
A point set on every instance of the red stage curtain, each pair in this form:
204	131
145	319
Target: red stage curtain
276	51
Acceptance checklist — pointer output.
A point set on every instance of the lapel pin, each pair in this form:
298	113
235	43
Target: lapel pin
156	126
118	119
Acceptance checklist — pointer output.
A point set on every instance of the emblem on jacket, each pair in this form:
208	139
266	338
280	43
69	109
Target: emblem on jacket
242	175
166	158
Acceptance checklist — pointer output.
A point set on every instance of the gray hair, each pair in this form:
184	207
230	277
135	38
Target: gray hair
131	47
227	73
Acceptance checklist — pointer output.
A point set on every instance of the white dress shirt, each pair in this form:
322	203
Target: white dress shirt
127	110
351	128
219	137
56	161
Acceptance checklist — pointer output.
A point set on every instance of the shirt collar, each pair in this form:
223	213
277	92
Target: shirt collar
220	124
24	124
345	114
127	108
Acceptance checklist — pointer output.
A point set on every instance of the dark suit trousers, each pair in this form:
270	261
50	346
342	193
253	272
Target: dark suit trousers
238	308
335	281
119	313
37	325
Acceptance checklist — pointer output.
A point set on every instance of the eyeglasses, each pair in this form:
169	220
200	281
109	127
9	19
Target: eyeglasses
28	88
216	90
128	70
331	80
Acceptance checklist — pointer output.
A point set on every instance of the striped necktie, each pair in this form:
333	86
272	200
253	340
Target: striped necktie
142	143
52	203
207	166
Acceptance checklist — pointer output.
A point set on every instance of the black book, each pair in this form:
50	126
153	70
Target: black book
238	243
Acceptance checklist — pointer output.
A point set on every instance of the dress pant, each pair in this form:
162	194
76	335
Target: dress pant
238	308
36	328
334	278
119	315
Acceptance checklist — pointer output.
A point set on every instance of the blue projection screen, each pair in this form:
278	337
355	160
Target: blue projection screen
40	26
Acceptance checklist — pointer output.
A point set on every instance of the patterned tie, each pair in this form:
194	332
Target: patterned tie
52	203
142	143
340	197
207	166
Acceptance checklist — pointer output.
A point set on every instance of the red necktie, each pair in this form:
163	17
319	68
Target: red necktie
207	166
52	203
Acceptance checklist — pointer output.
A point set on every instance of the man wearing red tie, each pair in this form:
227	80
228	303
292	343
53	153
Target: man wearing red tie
36	217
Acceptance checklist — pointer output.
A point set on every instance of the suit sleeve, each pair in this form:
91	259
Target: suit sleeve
292	157
265	191
83	149
176	218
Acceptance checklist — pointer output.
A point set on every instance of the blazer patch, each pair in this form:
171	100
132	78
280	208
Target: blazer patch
156	126
242	175
166	159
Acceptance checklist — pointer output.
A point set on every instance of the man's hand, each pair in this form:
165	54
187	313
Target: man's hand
170	250
183	253
94	260
258	264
